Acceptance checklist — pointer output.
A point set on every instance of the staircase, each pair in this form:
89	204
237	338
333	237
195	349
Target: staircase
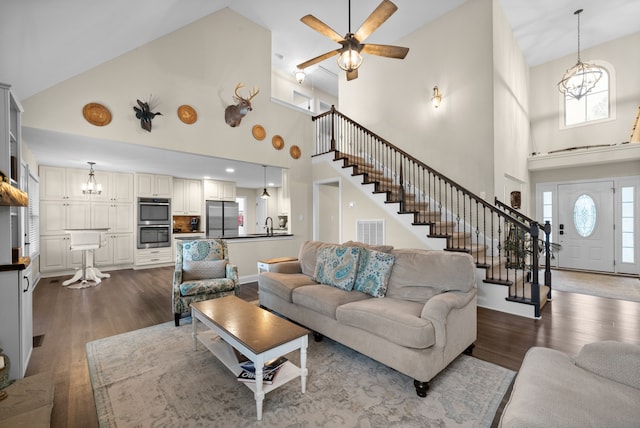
504	244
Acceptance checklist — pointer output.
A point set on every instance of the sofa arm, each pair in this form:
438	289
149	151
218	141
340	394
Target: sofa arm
617	361
286	267
437	310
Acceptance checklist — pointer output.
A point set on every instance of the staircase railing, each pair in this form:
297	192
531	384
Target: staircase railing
546	249
498	241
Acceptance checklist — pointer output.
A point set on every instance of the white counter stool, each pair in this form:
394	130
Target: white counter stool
87	240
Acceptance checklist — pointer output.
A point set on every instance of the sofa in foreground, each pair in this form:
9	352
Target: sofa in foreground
600	387
410	309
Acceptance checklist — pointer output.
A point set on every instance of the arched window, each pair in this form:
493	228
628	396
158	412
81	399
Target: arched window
597	105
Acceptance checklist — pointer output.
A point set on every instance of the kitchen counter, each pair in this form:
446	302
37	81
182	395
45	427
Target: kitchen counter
249	236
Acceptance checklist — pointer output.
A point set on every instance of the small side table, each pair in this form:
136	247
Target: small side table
265	264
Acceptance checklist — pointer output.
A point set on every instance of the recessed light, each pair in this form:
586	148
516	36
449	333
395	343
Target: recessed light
230	170
271	184
206	177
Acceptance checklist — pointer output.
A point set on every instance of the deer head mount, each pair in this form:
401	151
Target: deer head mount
233	114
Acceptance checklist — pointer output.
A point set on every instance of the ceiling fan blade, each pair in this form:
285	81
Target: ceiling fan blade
318	59
353	74
376	19
321	28
385	50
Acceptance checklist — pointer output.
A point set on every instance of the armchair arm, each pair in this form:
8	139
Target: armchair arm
437	310
286	267
232	273
617	361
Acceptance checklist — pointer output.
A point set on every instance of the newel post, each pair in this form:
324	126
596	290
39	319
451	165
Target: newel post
547	257
535	286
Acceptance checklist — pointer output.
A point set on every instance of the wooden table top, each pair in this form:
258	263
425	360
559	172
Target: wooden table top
257	329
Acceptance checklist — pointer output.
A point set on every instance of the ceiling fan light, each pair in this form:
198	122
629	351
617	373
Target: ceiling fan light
350	60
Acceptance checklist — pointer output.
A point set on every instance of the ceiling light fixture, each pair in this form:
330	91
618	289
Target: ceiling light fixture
581	78
437	97
91	187
350	59
300	74
265	194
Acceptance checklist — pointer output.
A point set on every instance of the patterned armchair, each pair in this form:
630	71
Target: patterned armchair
202	272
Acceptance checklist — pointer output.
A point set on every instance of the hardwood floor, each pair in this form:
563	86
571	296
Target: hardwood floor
131	300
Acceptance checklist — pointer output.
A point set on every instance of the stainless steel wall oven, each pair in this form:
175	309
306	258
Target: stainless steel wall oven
154	222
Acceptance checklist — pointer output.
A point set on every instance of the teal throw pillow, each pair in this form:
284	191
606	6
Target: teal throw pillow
337	266
374	270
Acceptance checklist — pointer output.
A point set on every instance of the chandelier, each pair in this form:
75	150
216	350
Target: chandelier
91	187
581	78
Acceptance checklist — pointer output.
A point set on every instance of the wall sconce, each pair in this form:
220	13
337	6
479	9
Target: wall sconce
437	97
300	74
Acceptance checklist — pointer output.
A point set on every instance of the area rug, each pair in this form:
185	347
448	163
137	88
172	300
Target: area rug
153	377
594	284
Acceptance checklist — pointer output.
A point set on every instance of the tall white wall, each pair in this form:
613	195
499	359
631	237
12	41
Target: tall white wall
510	112
393	97
546	100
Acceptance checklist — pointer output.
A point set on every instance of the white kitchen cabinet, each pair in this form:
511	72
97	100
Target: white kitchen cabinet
55	254
62	184
154	186
116	187
16	318
118	250
187	197
56	216
151	256
118	218
215	190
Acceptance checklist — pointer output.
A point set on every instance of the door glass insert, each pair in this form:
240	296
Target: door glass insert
584	215
628	238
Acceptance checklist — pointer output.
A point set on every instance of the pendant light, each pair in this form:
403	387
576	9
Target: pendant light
265	194
581	78
91	187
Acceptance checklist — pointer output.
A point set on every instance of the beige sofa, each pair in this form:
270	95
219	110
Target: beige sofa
426	318
599	387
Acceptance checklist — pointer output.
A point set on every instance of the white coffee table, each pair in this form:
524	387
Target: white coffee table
258	334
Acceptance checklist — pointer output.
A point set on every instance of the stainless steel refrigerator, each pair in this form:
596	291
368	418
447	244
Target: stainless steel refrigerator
222	219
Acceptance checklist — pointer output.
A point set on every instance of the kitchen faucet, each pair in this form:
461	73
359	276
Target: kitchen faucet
266	223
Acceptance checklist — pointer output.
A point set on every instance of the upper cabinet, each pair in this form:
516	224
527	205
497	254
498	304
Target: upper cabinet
215	190
65	184
154	186
187	197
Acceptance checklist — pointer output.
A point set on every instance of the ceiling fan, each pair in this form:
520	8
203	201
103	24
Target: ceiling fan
349	54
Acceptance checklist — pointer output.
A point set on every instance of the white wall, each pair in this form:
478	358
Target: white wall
545	98
455	53
511	112
194	65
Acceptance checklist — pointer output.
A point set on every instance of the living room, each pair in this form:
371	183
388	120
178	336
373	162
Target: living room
192	66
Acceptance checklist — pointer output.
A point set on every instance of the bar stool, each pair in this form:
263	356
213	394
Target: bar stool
87	241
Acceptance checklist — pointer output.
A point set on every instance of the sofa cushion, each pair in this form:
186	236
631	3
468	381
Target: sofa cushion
396	320
202	250
206	286
337	266
282	284
418	275
324	299
382	248
203	269
309	255
374	269
617	361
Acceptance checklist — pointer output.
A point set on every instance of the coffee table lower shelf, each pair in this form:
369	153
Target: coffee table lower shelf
226	355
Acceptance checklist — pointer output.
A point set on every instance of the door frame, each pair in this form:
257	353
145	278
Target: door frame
317	207
618	183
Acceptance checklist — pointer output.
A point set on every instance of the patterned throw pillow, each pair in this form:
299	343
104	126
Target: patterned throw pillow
374	270
203	269
337	266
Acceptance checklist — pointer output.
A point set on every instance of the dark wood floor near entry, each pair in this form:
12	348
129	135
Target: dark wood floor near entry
131	300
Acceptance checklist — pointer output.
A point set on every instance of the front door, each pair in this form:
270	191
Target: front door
585	219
